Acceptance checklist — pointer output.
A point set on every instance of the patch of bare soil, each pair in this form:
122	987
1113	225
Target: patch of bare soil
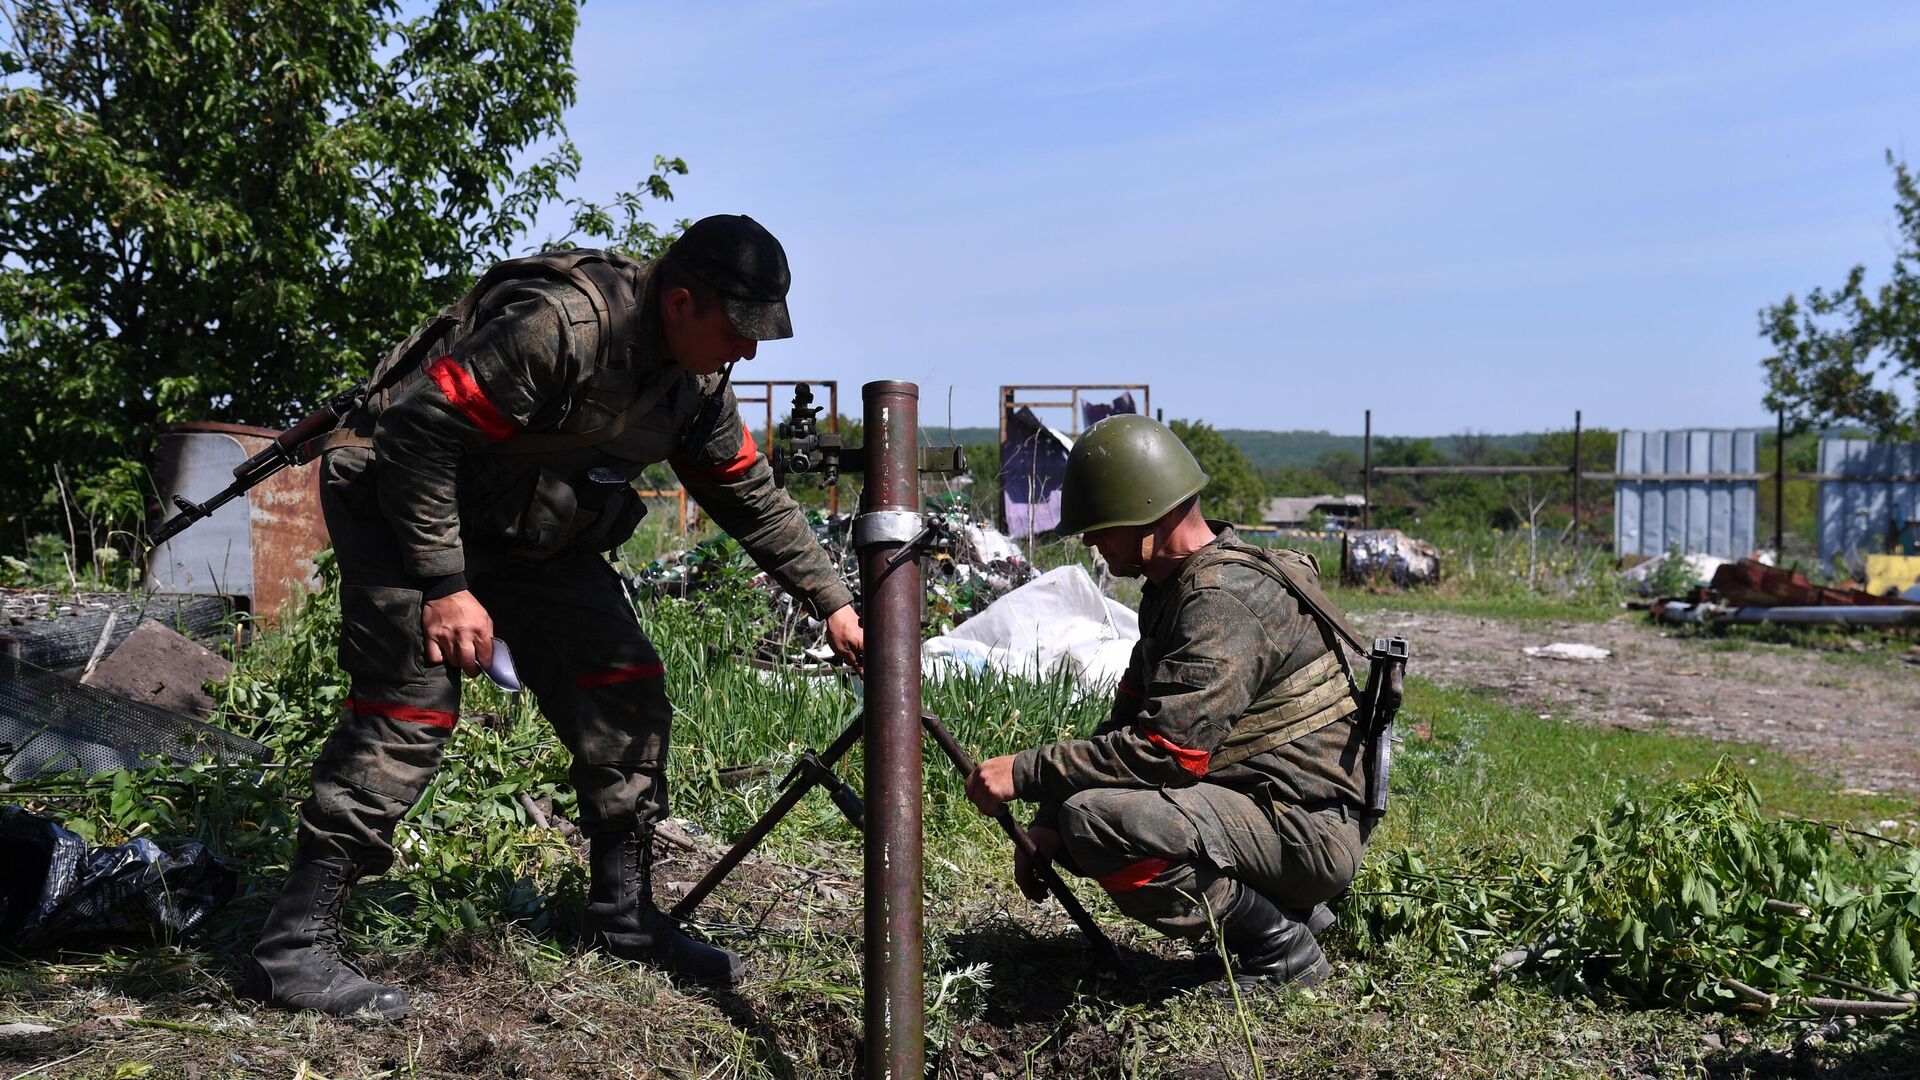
1855	719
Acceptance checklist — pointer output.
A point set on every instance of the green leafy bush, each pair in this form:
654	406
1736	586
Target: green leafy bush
1671	900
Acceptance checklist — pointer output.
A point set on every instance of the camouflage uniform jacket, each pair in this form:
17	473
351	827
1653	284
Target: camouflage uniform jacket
534	362
1215	638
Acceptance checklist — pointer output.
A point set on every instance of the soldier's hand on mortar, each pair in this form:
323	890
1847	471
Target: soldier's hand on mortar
991	785
846	637
1048	841
459	632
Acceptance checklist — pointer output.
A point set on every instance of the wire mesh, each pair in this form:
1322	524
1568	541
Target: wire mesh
55	725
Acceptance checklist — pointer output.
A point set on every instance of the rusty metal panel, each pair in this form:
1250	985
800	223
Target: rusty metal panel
1864	516
1711	517
260	546
287	532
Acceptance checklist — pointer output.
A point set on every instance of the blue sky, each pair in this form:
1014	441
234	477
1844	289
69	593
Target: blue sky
1464	216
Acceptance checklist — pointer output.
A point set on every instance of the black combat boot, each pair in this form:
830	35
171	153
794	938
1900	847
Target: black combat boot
1206	965
1318	918
621	917
1270	947
297	963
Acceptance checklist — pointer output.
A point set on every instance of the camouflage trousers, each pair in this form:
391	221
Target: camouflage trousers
1171	856
577	645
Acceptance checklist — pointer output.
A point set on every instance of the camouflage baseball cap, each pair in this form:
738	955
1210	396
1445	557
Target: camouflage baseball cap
746	265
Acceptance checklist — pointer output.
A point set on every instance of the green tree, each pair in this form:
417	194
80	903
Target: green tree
1233	490
1838	355
228	209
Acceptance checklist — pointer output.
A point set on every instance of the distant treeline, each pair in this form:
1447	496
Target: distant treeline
1300	449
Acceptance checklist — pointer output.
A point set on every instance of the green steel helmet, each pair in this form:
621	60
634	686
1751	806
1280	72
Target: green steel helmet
1126	470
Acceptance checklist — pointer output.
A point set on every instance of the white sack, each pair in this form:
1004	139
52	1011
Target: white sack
1057	619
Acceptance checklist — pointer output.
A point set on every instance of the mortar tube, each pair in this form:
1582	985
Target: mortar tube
895	1007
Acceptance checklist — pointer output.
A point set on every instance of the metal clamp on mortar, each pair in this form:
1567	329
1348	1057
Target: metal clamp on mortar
888	527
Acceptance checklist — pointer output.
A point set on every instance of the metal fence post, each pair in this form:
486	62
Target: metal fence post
1779	486
1366	475
1576	481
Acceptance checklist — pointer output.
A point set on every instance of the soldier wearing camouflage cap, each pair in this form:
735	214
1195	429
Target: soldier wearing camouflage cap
1225	786
471	501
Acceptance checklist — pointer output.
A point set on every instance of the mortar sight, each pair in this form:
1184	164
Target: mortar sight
807	449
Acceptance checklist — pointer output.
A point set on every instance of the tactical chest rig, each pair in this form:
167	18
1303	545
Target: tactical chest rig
1322	692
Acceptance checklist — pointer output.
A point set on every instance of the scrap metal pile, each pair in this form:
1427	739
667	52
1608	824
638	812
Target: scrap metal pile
1751	592
969	565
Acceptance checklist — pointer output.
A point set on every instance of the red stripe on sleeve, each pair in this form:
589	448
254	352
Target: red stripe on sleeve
629	673
738	465
1194	761
412	714
1129	878
1128	690
465	394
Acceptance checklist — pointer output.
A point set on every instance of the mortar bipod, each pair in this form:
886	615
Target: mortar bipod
813	770
810	771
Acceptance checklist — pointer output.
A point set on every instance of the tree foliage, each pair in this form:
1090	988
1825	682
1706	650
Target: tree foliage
1840	353
227	209
1234	490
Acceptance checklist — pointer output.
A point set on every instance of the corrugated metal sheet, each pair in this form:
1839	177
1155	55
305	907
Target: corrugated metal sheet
1701	517
1857	518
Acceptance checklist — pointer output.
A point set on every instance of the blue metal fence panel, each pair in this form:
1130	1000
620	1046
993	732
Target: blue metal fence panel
1860	517
1705	517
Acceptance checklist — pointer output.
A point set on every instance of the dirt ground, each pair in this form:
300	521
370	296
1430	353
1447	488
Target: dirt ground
1851	716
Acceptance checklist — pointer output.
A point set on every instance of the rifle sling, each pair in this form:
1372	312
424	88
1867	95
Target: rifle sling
1304	590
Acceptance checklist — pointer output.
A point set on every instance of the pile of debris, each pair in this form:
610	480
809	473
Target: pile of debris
1370	558
1751	592
92	683
64	629
969	565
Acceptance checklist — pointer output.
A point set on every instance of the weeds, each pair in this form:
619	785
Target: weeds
1675	899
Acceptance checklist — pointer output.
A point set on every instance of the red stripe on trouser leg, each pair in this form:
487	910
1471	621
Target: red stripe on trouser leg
630	673
1132	877
1194	761
466	395
412	714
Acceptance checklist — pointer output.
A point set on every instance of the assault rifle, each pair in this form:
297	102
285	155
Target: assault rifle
1379	703
289	448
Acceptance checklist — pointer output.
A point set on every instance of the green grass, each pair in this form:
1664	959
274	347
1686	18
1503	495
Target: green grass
1490	775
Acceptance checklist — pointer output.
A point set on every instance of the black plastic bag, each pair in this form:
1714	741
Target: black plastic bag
55	891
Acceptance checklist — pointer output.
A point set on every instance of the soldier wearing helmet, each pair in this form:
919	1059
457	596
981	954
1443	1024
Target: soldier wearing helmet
1226	784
